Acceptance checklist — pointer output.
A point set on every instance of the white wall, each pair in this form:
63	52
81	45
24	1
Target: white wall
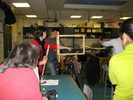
72	23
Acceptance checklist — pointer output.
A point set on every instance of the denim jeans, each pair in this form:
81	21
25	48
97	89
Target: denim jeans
53	66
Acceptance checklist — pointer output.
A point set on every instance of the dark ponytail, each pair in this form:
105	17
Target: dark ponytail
39	31
127	28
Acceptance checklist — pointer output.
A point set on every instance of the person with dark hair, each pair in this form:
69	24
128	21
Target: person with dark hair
52	64
121	65
40	36
18	77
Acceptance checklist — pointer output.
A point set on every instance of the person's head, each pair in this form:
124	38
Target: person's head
54	32
127	32
40	32
24	55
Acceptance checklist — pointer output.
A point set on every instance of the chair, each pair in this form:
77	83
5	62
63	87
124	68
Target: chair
101	61
88	92
105	79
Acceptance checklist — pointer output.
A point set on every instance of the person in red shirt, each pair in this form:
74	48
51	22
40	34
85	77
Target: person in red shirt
39	41
18	77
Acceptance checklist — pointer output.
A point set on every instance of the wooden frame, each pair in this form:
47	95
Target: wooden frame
73	36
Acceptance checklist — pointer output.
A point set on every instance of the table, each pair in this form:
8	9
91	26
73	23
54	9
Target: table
67	88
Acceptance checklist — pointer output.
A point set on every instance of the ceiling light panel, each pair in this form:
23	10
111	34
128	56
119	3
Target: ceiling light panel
124	18
31	16
96	17
75	16
21	4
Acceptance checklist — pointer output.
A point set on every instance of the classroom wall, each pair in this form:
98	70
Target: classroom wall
17	31
1	38
22	22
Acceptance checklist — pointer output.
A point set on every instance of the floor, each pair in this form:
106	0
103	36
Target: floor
98	92
98	89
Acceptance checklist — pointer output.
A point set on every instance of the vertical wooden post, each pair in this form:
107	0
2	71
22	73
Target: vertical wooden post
83	44
58	47
43	58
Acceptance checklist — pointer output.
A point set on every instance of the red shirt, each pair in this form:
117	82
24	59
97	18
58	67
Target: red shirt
53	46
19	84
41	53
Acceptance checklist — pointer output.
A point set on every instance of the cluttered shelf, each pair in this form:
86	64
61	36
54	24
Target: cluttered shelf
28	32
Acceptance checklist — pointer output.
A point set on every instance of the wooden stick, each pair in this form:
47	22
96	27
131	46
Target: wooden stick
58	48
43	58
47	50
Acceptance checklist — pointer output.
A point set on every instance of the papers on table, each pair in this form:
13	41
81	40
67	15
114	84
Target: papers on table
50	82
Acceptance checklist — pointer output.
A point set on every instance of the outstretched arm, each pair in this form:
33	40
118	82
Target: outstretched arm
65	47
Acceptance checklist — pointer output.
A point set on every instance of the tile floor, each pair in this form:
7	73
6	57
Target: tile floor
98	90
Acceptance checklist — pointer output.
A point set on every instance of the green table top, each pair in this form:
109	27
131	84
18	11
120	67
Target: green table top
67	89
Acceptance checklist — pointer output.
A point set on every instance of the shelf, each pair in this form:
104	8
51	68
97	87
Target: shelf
28	32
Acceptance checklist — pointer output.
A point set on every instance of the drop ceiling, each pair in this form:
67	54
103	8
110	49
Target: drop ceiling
63	9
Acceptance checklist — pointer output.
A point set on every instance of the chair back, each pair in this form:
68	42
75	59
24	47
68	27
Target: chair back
88	92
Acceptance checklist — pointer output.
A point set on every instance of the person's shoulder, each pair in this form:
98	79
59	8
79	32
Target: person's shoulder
33	41
51	40
27	74
47	39
26	70
118	56
117	39
21	71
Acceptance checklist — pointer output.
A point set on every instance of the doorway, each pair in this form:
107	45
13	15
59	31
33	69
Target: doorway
7	40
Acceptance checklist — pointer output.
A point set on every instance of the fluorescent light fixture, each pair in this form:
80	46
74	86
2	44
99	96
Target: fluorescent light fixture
75	16
97	17
31	16
124	18
21	4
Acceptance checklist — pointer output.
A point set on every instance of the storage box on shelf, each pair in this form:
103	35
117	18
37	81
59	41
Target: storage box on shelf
28	32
